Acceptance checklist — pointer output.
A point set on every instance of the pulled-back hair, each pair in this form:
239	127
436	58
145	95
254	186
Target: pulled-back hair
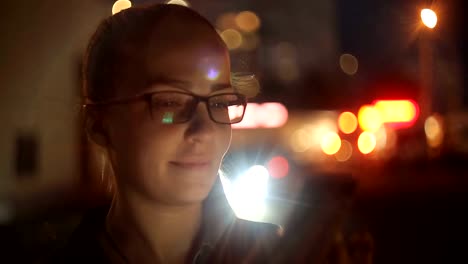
119	44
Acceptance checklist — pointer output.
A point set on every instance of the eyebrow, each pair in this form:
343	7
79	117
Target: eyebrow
185	85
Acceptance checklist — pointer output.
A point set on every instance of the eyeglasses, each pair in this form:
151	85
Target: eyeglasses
173	107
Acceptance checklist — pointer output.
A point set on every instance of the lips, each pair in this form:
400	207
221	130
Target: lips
191	164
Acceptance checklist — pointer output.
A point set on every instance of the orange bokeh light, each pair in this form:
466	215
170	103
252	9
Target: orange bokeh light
347	122
331	143
369	118
366	142
397	113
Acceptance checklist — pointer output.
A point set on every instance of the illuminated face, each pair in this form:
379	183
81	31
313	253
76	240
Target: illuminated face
171	163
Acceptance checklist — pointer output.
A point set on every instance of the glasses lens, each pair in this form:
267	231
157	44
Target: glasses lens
227	108
171	108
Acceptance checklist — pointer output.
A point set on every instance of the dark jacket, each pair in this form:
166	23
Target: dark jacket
223	237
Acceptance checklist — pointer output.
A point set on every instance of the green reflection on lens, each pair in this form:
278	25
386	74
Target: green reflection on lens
168	118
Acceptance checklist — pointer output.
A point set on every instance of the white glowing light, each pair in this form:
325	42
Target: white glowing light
429	18
212	74
120	5
178	2
247	193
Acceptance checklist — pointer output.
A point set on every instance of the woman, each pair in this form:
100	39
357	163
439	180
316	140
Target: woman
159	101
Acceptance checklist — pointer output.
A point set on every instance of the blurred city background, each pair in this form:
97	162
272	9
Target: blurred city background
365	101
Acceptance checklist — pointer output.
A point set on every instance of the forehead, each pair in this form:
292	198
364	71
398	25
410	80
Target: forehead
180	49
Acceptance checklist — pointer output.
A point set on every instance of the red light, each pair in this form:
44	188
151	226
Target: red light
278	167
398	113
266	115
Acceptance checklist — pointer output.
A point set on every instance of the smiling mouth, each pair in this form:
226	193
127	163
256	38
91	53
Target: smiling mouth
191	165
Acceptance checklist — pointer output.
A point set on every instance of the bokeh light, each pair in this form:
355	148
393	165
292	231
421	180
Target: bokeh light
380	138
266	115
301	140
369	118
178	2
366	142
247	21
226	21
347	122
429	18
247	193
345	152
331	143
349	64
398	113
232	38
120	5
278	167
433	128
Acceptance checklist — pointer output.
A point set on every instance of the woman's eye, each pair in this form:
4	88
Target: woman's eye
167	103
220	105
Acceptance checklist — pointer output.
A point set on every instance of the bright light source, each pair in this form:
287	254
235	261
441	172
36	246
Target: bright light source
347	122
247	21
232	38
345	152
366	142
434	131
212	74
369	118
429	18
178	2
349	64
278	167
120	5
247	193
398	113
331	143
381	138
266	115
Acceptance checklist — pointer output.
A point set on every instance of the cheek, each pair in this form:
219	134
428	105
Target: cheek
224	138
139	146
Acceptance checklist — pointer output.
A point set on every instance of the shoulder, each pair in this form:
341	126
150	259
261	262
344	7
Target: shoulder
83	245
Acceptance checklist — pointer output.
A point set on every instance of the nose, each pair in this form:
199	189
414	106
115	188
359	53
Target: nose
201	127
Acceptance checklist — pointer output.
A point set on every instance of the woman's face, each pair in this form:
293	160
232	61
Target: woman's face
171	163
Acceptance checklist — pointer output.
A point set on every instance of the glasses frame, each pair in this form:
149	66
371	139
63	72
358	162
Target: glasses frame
148	98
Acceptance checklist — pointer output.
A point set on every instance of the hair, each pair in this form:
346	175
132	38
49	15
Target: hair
118	43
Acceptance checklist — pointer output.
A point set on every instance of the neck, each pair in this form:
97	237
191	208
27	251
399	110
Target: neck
146	231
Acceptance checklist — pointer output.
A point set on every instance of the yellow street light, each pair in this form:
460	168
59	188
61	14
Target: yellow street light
429	18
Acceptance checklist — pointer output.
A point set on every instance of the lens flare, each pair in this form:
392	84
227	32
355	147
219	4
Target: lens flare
212	74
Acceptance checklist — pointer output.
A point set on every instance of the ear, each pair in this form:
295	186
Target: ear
95	128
